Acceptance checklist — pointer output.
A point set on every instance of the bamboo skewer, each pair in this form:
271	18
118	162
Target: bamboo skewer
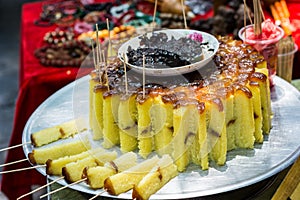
262	12
144	76
15	146
246	13
39	188
97	46
97	195
154	15
94	56
183	13
59	189
125	74
249	14
257	18
22	169
98	54
106	75
14	162
245	20
247	10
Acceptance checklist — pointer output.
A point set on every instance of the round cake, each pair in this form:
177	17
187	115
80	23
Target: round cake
195	118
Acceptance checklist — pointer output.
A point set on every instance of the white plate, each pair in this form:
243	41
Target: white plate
212	43
243	167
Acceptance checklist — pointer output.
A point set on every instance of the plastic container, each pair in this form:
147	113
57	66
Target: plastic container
285	64
267	47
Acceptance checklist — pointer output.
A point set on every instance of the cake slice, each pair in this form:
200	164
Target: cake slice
61	131
261	76
257	111
70	128
111	136
161	174
145	139
73	171
54	167
127	122
198	150
92	83
125	180
216	130
96	175
162	124
226	93
229	121
203	140
243	109
185	122
42	154
98	111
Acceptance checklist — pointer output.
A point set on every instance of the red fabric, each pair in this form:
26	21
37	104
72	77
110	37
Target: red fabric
37	82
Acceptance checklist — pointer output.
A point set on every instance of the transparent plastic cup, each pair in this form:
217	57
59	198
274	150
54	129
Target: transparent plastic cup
267	47
285	64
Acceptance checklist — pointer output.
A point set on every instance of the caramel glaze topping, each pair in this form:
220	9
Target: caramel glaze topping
235	63
245	90
219	103
257	76
254	83
169	98
151	90
186	102
100	88
109	93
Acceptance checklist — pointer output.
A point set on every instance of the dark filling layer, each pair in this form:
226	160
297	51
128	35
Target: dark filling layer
155	58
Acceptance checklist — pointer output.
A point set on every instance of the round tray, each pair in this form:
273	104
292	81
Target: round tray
243	167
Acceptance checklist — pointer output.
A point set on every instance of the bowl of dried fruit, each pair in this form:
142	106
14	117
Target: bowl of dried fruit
168	52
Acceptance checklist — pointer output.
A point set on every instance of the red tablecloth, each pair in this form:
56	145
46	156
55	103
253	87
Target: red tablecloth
38	82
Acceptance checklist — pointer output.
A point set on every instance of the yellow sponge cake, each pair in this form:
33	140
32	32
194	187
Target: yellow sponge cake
127	121
111	135
145	139
162	124
197	121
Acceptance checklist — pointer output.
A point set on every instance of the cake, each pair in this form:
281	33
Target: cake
41	155
57	132
197	121
124	181
127	120
54	167
96	175
73	171
155	179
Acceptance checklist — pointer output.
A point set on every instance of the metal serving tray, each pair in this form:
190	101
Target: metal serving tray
243	167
